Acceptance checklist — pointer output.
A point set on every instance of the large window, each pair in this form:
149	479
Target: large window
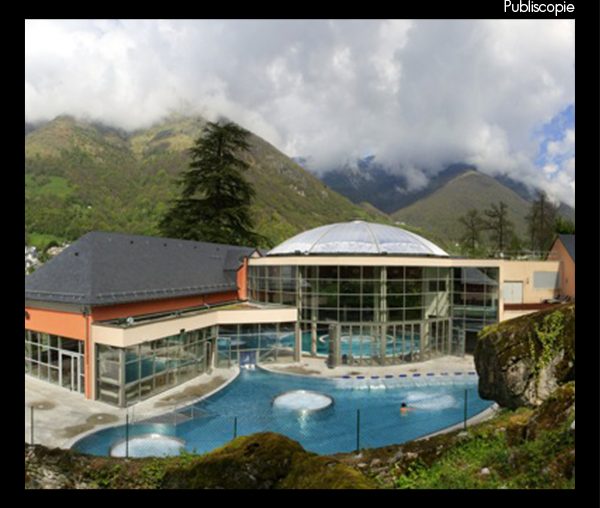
251	343
58	360
127	375
475	304
137	372
365	298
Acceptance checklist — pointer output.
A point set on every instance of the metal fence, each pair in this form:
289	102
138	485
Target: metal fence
199	429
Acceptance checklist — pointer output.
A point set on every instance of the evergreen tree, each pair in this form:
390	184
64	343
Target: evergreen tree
473	224
542	222
214	205
500	226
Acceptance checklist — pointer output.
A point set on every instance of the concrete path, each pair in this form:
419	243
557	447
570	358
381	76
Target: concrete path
310	366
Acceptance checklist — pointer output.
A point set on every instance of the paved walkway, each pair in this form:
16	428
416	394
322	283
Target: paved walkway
318	367
61	417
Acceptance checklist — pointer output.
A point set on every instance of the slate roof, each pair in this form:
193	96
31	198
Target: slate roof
108	268
569	242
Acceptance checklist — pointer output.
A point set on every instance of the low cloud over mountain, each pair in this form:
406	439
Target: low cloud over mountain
420	95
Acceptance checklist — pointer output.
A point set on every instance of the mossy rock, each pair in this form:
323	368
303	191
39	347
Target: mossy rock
315	472
263	461
516	428
557	411
516	367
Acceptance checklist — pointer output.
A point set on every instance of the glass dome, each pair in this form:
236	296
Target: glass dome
357	237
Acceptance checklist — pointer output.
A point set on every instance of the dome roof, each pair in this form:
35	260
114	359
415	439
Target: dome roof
357	237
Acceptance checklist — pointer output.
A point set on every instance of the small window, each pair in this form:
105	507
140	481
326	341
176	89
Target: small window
545	280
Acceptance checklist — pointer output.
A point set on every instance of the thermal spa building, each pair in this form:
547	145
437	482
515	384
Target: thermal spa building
120	318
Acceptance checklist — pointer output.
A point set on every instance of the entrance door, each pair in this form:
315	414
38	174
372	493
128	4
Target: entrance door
513	292
70	371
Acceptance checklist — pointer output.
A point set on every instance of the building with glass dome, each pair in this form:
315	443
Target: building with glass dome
121	318
376	294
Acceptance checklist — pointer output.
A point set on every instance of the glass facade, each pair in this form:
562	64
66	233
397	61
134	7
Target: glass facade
381	314
474	303
125	376
387	314
252	343
55	359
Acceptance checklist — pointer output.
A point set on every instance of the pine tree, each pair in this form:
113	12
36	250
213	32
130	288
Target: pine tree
214	205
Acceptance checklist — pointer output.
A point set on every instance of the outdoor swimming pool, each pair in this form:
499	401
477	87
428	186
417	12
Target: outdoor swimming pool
246	406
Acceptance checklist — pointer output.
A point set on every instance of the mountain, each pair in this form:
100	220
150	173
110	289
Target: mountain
82	176
439	212
373	182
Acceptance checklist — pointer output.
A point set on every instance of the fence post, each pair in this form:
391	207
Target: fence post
31	424
465	418
357	431
127	435
234	427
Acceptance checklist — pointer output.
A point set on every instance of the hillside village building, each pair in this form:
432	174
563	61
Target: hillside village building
120	318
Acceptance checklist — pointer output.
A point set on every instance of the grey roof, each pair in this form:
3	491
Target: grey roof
108	268
569	242
358	237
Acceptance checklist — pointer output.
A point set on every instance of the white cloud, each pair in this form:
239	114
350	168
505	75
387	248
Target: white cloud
418	94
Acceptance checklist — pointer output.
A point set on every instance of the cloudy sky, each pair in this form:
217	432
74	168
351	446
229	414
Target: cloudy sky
418	94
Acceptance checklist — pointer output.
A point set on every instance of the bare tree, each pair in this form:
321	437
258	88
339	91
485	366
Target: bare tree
541	222
473	224
500	227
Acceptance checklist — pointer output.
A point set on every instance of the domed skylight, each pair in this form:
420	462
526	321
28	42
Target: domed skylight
357	237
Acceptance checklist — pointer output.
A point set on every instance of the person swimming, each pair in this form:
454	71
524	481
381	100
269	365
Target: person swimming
404	408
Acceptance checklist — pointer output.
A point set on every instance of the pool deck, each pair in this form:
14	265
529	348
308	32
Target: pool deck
61	417
317	367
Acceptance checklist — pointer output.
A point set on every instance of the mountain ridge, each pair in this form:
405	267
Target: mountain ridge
82	176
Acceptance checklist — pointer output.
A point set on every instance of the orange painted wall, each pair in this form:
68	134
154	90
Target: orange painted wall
242	280
149	307
65	324
567	268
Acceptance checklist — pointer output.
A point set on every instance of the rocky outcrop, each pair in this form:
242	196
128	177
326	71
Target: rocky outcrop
260	461
520	362
264	461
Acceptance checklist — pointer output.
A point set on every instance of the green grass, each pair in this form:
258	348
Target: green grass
530	465
48	185
40	241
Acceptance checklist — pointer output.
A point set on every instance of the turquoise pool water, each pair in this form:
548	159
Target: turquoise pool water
246	406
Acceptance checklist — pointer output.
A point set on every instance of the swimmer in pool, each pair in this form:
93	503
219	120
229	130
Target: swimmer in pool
404	408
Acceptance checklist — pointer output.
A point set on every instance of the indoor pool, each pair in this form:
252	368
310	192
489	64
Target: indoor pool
362	346
247	405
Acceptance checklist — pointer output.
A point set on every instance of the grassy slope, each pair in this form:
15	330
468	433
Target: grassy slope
440	211
107	181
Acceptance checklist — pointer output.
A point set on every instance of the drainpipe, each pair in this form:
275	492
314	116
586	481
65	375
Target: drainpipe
87	356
